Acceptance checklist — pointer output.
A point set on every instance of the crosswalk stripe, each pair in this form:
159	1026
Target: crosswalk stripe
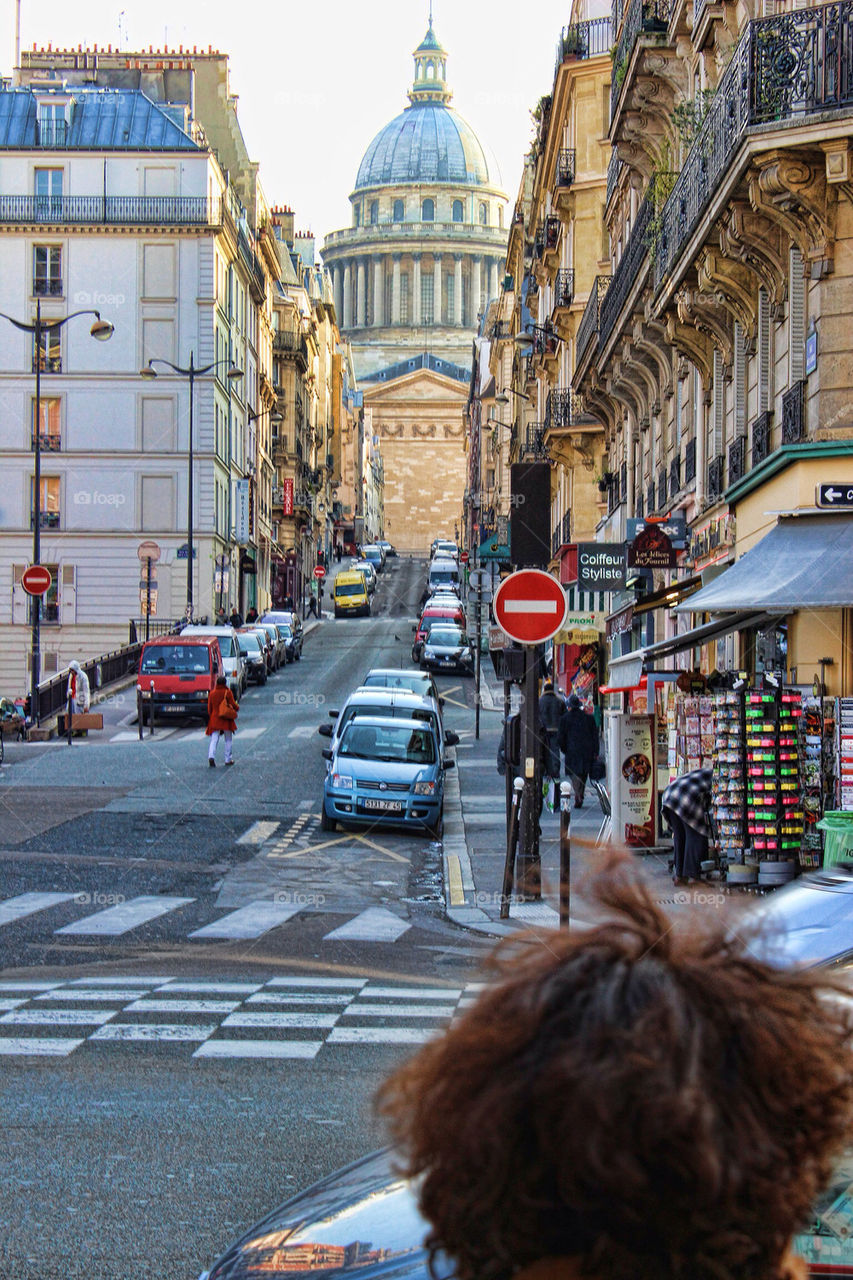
181	1006
273	997
536	913
380	1035
254	732
114	994
27	904
408	993
210	988
279	1019
251	921
115	921
258	832
160	1031
357	1010
259	1049
37	1047
21	985
375	924
295	981
59	1017
139	981
13	1004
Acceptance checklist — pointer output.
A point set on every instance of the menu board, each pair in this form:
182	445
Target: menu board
634	810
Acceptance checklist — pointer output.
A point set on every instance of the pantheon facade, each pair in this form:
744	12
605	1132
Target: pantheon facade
425	252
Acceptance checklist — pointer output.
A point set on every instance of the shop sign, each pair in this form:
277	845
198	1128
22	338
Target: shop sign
601	566
651	549
287	496
581	628
619	623
634	813
675	528
718	534
241	511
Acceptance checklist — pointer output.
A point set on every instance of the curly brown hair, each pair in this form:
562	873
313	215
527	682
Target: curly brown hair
651	1102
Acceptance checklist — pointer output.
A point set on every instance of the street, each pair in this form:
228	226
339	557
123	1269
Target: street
199	991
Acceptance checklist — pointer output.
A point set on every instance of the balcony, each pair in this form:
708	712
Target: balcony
564	409
551	242
591	319
286	343
663	489
650	497
784	69
583	40
564	292
793	420
648	17
47	520
623	483
561	536
761	437
716	478
153	211
640	507
690	461
47	363
500	331
53	133
675	477
532	447
634	260
49	441
564	179
47	288
614	169
737	459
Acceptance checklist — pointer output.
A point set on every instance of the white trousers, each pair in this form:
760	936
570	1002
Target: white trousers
214	743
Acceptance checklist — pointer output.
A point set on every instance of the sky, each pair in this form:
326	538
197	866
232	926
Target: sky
316	81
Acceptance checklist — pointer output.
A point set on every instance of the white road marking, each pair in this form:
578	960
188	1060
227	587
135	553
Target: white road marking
60	1017
273	997
119	982
259	1049
210	988
20	985
376	924
258	832
126	916
380	1035
38	1047
250	921
182	1006
26	904
153	1031
279	1020
296	981
13	1004
303	731
254	732
115	994
536	913
406	993
357	1010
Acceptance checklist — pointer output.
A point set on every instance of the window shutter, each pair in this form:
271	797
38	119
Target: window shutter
679	406
763	351
718	421
67	595
740	382
796	317
20	610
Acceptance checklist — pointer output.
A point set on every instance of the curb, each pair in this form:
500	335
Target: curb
459	888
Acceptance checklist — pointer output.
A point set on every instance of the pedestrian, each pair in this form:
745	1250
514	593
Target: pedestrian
578	740
236	619
222	708
339	552
287	603
640	1100
312	605
684	804
552	708
251	614
221	617
78	692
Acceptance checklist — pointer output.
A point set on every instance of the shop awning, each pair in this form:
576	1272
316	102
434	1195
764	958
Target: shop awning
805	562
625	672
668	597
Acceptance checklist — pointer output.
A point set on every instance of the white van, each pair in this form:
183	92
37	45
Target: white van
232	662
444	573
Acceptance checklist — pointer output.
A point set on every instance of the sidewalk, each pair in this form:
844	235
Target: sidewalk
475	842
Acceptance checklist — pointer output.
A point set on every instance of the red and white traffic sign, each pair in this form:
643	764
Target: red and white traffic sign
531	606
463	557
319	571
36	579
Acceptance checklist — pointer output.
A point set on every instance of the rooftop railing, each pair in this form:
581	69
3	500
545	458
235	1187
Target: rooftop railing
584	40
650	16
112	210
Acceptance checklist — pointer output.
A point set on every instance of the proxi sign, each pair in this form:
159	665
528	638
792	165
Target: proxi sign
530	606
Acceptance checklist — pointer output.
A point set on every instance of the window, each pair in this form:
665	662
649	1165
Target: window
48	502
404	299
500	216
48	193
50	433
458	211
48	355
428	211
356	215
399	213
47	271
427	300
53	124
374	212
484	215
449	288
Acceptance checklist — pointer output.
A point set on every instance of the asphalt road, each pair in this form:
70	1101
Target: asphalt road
169	1077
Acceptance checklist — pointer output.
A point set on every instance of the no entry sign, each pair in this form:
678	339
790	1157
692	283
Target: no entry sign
36	579
530	606
319	571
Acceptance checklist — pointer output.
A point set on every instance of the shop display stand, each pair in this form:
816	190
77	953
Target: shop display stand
728	803
844	754
818	740
773	787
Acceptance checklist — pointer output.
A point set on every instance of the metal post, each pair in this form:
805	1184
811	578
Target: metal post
68	715
191	376
566	793
147	597
530	871
478	596
508	775
35	601
511	844
151	712
139	711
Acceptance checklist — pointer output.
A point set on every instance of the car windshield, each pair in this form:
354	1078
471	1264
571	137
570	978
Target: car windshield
388	742
349	589
175	659
284	632
372	553
444	575
413	681
249	644
385	709
446	636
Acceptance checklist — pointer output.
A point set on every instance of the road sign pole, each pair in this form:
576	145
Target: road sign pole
479	640
147	597
529	864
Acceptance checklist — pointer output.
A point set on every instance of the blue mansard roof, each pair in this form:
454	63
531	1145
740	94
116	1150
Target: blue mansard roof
98	120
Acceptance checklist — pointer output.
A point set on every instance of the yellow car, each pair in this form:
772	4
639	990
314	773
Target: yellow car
349	595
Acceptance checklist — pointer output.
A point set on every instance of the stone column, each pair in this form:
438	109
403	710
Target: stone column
395	291
457	289
361	313
338	278
436	288
493	277
476	288
348	296
378	292
416	290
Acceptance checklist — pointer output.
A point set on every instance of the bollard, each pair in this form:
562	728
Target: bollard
68	714
151	711
139	725
511	844
566	794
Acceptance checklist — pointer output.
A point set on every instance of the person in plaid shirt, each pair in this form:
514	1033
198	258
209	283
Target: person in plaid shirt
685	805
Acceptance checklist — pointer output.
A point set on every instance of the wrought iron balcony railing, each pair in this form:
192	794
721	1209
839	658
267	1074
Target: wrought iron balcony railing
47	288
564	407
584	40
785	67
532	445
663	488
674	476
627	271
53	133
500	331
544	344
47	520
623	482
614	168
566	528
552	232
49	441
648	16
761	437
591	318
737	459
690	461
112	210
566	167
793	422
564	287
640	506
716	477
650	497
555	541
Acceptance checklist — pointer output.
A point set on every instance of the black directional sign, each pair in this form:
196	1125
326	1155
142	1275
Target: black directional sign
837	496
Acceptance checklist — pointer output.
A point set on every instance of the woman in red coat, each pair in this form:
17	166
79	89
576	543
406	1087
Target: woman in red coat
222	711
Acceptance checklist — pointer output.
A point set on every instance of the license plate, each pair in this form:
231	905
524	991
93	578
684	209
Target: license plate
172	706
386	806
447	662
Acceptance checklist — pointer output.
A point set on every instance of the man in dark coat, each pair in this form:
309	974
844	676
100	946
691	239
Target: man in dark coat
579	745
552	708
236	618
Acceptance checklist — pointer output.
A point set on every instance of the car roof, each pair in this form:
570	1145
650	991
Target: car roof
369	693
399	722
198	638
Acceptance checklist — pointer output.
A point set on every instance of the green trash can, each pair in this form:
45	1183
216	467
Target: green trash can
837	826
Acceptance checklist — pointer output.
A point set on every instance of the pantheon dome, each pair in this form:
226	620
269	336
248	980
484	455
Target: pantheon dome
427	243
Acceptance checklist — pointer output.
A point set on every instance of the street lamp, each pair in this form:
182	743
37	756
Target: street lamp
102	330
535	336
192	372
504	396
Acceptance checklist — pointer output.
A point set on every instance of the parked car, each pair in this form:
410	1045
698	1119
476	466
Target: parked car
232	661
452	615
390	704
350	594
368	568
448	649
176	674
388	547
374	553
389	772
288	616
277	641
265	640
252	648
444	549
292	641
402	678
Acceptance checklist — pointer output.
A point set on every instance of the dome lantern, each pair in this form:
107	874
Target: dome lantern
430	84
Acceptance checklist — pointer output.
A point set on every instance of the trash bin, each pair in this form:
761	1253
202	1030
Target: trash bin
837	826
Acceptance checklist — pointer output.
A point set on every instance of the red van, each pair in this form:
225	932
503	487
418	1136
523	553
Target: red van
176	673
